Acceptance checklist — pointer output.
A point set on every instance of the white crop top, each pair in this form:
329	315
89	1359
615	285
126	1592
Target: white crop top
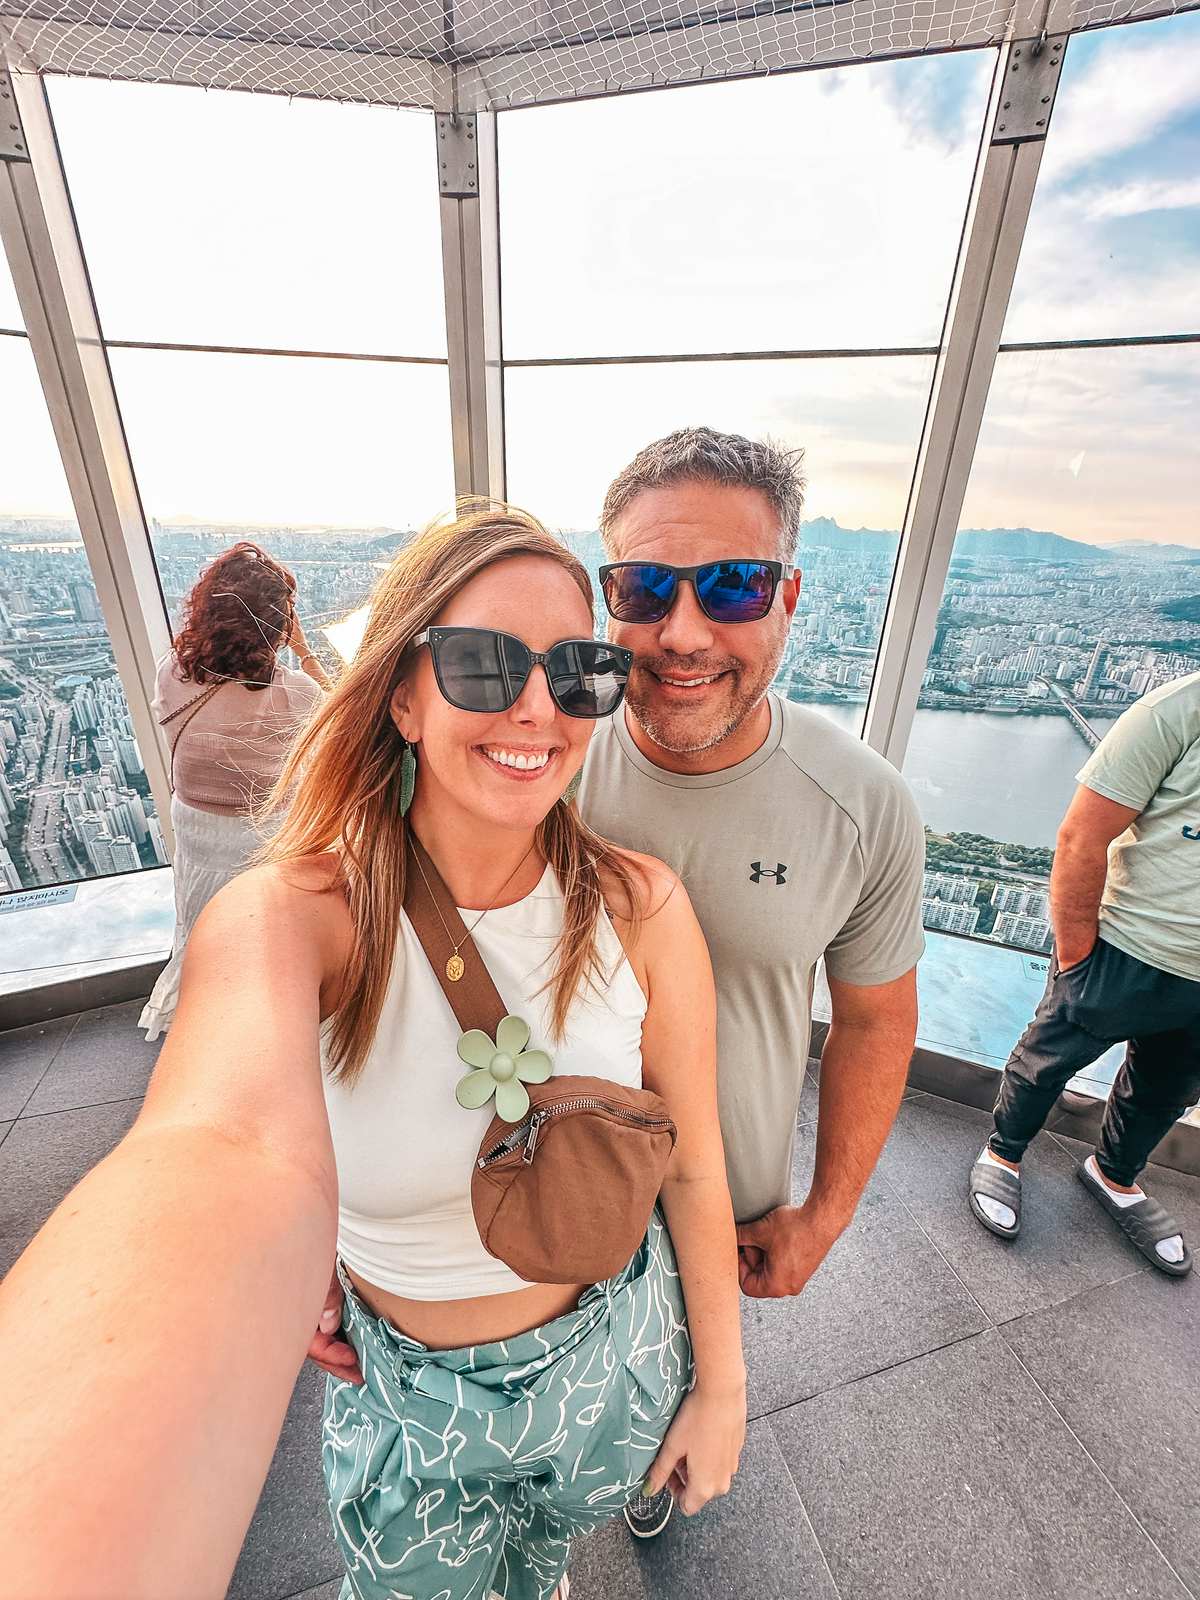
406	1149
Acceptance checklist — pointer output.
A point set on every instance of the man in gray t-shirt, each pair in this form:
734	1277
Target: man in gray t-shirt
794	840
809	847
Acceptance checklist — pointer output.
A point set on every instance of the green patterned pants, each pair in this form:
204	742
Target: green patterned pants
453	1473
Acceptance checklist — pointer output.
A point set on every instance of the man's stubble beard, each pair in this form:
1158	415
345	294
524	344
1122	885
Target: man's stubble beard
684	743
678	743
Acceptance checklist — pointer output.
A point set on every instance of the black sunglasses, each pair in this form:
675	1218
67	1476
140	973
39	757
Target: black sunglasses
727	591
479	669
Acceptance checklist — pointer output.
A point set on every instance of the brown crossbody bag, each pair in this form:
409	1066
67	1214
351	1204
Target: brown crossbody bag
564	1193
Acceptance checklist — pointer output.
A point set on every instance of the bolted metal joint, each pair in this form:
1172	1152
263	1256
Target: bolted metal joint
1030	85
12	136
457	155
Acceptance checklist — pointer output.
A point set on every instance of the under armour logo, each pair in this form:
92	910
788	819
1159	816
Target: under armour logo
758	872
1191	833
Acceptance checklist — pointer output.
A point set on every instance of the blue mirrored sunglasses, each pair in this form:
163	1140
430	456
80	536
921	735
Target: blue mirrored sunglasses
726	591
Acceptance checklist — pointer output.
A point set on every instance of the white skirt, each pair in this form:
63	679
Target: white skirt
210	849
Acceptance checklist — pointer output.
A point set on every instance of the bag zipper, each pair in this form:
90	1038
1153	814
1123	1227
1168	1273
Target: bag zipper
528	1133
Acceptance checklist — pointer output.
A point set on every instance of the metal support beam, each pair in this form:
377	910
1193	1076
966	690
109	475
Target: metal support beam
467	184
37	229
1023	93
12	135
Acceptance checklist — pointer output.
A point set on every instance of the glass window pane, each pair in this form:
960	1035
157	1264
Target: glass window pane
10	311
74	799
810	211
570	430
1096	446
33	486
253	220
109	923
1072	591
322	462
1113	242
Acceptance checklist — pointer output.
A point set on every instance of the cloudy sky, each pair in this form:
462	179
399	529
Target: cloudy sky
813	211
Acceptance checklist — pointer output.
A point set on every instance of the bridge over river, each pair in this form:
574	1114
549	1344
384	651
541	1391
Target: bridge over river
1082	726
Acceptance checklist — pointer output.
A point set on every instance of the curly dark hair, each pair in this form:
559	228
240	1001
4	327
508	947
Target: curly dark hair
239	611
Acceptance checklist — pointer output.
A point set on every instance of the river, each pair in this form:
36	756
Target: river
1009	777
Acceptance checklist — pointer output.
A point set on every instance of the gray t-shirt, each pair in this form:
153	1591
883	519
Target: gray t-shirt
1150	758
811	847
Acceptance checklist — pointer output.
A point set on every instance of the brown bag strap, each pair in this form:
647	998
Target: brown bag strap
474	998
195	702
193	705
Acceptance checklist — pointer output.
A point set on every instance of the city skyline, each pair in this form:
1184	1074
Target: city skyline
1028	629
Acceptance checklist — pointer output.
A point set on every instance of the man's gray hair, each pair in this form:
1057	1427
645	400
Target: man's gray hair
702	455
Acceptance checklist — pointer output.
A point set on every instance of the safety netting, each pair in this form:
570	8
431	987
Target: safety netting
488	54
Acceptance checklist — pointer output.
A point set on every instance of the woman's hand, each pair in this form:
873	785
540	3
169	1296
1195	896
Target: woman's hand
296	638
309	663
699	1455
330	1350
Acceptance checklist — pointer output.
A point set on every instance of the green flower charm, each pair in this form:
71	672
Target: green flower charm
502	1069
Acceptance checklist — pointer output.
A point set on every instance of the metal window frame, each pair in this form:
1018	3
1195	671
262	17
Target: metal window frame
47	259
469	191
40	238
48	266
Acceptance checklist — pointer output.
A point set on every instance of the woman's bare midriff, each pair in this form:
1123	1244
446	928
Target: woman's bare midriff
450	1324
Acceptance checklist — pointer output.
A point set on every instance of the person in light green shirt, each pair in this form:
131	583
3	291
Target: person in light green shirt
1150	763
1125	903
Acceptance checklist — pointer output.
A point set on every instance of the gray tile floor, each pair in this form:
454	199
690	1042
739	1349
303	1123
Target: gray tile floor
940	1414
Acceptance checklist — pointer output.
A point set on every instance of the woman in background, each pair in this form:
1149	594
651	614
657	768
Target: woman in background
230	710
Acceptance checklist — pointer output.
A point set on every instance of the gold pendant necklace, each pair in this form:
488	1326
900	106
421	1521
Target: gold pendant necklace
455	965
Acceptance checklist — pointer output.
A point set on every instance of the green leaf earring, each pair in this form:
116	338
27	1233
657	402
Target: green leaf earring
408	777
501	1069
571	792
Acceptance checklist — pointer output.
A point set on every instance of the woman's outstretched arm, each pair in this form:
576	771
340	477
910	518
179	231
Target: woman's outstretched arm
155	1326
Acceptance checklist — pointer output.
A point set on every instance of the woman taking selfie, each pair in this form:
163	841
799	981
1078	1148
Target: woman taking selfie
496	1024
497	1417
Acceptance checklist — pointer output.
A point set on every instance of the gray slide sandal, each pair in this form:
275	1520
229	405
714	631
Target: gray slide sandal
1144	1225
997	1183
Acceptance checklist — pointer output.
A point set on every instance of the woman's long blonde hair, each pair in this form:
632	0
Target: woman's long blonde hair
340	788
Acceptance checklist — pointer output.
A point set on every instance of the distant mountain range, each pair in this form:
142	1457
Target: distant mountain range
1147	550
973	544
993	544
